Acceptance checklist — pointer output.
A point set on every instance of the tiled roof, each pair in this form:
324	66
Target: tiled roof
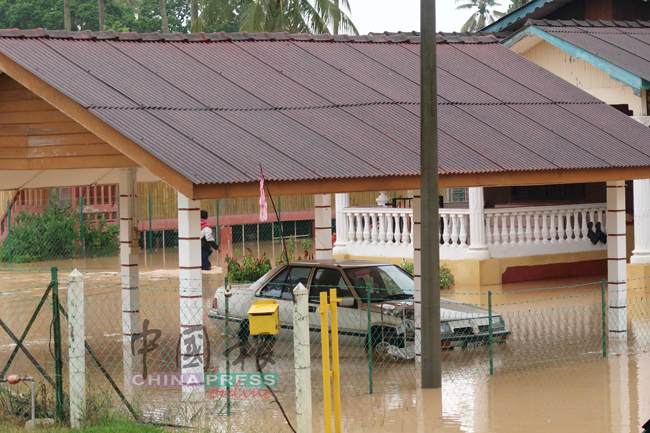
625	44
214	106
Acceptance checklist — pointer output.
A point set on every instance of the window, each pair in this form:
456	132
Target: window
326	279
281	285
455	195
385	282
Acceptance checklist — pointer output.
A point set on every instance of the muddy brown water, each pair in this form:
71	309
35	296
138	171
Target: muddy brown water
549	377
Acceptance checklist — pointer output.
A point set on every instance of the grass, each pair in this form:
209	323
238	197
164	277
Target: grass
109	427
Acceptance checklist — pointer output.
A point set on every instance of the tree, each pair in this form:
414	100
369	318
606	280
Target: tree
293	16
102	14
150	18
482	16
516	4
67	23
48	14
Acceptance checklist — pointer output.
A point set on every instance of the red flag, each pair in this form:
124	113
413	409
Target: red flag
263	205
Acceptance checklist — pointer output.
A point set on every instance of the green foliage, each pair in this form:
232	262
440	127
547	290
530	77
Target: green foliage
48	14
149	19
293	16
250	269
447	280
56	234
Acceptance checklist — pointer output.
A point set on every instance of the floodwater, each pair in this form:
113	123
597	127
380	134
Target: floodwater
581	392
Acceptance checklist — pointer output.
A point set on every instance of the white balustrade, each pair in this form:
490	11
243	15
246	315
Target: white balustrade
509	232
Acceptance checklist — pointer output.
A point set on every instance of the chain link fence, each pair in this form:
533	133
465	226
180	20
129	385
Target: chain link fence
482	334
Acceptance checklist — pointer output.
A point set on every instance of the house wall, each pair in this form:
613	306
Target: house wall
585	76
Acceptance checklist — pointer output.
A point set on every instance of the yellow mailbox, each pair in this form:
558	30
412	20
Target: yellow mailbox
264	317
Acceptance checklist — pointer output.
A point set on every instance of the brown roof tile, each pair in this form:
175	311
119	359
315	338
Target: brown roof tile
213	106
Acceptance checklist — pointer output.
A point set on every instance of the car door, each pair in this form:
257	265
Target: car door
280	289
324	280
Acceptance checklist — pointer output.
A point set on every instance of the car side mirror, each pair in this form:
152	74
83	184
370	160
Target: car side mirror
347	302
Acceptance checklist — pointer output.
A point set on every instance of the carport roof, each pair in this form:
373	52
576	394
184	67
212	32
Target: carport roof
211	107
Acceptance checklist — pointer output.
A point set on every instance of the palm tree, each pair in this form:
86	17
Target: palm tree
102	14
293	16
482	16
163	16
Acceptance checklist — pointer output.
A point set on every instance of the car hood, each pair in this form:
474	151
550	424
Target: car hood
452	310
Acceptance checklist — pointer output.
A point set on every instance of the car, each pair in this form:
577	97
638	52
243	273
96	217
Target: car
389	326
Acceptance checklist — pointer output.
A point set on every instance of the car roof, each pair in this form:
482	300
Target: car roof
342	263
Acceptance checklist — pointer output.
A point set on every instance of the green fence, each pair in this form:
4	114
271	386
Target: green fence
483	334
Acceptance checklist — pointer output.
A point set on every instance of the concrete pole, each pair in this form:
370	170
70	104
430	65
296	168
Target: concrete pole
76	349
641	253
616	256
430	248
301	359
478	249
341	201
129	269
191	297
417	272
323	222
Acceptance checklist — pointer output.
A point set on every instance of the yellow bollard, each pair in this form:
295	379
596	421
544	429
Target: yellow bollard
325	346
335	360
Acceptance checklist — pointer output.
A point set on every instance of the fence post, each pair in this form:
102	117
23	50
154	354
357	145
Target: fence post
301	359
227	295
83	242
490	333
150	233
218	234
604	317
280	223
9	228
56	324
76	349
369	341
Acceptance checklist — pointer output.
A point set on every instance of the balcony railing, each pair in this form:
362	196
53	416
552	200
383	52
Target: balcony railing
509	232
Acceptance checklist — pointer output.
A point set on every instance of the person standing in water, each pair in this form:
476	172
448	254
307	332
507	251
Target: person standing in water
207	242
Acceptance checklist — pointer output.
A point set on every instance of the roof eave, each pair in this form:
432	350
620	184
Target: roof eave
515	16
617	73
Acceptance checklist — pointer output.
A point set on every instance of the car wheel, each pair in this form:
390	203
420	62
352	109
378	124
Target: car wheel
383	336
244	331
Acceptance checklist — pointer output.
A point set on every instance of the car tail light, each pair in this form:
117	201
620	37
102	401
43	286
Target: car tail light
446	344
214	303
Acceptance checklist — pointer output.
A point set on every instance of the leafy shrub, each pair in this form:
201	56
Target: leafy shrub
56	234
250	269
447	280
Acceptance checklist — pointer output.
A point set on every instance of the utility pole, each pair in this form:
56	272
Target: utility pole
430	247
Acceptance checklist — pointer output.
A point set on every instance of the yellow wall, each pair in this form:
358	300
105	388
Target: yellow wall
585	76
489	272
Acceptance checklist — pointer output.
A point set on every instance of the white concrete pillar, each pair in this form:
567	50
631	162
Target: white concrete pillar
641	253
76	348
191	297
417	272
323	223
341	201
616	257
478	249
301	359
129	270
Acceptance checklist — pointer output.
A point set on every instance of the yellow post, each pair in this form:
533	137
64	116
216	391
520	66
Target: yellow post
325	347
335	360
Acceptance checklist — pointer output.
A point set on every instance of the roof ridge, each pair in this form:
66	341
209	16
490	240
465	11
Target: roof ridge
587	23
386	37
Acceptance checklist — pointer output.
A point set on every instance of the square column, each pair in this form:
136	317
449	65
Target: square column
478	248
129	268
341	201
616	257
417	272
191	297
323	225
641	253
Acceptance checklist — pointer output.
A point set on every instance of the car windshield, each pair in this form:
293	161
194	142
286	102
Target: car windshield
385	282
